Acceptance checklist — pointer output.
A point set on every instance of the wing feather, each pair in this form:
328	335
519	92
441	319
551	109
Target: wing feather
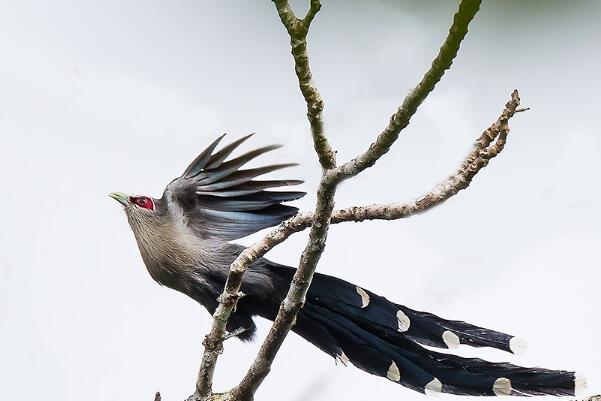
201	160
230	225
241	176
229	167
218	158
252	187
257	201
222	201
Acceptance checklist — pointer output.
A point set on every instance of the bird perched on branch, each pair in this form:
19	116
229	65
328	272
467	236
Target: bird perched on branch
185	241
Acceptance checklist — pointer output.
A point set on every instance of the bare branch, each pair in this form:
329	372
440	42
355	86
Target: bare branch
332	176
489	145
295	298
400	119
298	29
314	8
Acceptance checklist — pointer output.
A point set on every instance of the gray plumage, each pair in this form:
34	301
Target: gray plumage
184	239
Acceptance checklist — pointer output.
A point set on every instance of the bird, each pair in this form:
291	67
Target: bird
186	240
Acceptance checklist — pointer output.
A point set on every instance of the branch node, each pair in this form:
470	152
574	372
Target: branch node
212	344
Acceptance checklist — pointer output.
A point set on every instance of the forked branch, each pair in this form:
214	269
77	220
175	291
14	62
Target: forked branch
298	30
486	147
332	176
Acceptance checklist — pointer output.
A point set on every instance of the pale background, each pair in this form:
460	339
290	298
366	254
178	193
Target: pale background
120	95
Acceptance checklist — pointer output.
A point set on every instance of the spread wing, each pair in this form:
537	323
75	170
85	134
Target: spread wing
219	199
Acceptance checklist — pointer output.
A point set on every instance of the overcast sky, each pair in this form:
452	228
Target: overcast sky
109	96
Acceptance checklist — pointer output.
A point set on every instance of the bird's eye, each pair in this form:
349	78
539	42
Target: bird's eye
144	202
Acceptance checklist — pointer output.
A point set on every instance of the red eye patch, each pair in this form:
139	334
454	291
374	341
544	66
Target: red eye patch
143	202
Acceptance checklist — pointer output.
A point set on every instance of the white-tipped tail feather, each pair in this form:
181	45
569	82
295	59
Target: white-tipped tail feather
579	382
393	373
403	321
518	345
385	339
502	386
343	358
450	339
364	296
434	387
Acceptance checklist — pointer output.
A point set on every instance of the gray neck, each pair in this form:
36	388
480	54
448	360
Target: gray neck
168	245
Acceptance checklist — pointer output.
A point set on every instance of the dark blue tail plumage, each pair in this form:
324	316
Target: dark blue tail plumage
383	338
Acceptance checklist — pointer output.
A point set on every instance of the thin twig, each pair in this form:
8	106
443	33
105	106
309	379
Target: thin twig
472	164
298	29
400	119
332	176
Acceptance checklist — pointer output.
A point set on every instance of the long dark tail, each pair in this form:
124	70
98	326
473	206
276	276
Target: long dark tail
383	338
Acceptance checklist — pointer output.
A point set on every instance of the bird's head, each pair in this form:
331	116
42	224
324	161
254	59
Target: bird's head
142	211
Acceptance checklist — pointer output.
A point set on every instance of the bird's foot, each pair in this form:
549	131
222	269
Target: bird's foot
234	333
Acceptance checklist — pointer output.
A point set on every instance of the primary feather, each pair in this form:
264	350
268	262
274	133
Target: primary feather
222	201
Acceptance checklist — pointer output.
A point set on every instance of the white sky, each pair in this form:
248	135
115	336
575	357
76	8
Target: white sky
120	95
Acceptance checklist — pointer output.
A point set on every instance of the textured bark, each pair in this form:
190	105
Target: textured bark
229	298
295	298
298	30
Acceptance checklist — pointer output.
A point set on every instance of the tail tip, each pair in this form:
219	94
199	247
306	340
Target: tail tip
364	296
403	321
342	358
518	345
393	373
434	387
579	382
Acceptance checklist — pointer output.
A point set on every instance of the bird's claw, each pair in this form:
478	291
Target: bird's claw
234	333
